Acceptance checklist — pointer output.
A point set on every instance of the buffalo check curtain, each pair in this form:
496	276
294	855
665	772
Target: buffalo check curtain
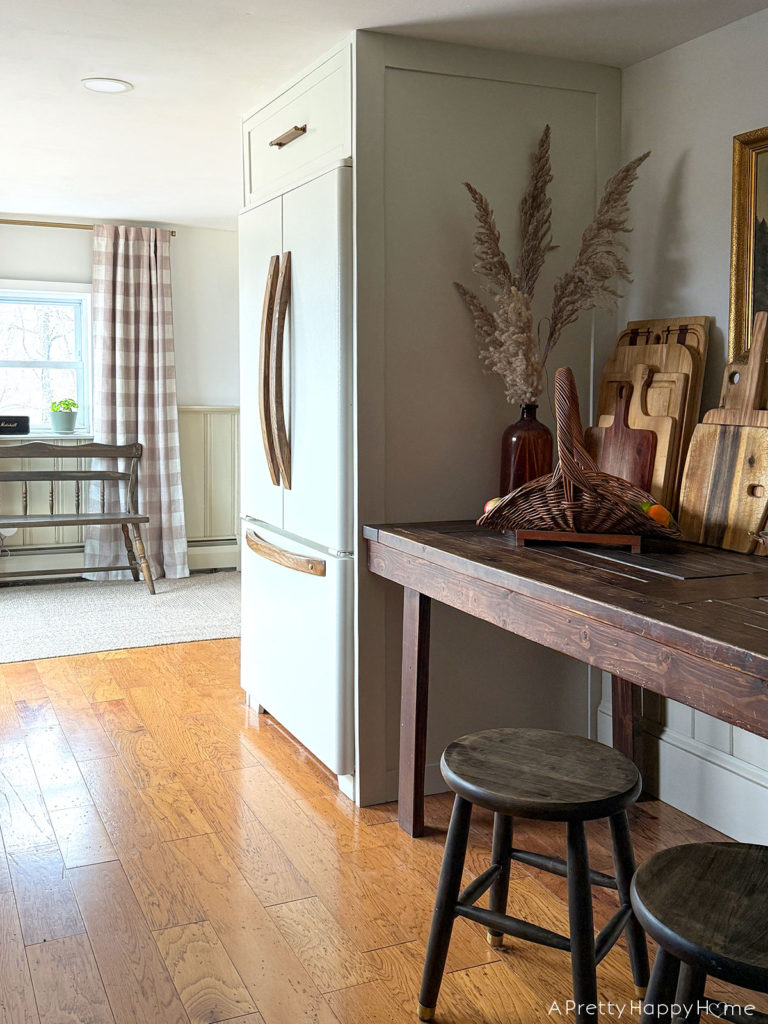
135	391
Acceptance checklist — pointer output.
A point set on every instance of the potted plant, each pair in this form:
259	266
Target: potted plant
63	416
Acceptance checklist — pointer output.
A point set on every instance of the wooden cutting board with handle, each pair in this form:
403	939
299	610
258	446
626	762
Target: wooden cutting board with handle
724	494
657	404
661	359
691	332
743	383
618	449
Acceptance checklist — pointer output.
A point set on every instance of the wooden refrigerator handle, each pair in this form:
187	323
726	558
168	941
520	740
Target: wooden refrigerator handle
257	544
265	360
277	401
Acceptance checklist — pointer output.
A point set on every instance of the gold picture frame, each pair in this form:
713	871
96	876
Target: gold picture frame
749	236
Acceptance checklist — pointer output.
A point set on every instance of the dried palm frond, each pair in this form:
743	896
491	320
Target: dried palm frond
507	341
491	261
535	220
485	325
587	284
513	351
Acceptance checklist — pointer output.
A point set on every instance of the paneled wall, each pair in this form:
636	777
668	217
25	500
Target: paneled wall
209	459
209	473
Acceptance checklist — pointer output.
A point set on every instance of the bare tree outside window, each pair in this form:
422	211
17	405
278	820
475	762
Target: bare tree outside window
44	352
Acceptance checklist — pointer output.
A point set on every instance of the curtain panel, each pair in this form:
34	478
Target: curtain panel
135	391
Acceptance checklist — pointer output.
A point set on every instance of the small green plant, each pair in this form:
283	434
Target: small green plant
64	405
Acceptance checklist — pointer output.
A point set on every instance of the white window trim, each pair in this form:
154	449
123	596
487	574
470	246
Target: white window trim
44	289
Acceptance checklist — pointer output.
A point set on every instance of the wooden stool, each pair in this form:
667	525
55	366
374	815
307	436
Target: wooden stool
535	773
706	905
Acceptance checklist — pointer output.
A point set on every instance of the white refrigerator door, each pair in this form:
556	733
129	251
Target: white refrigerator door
317	230
260	239
297	659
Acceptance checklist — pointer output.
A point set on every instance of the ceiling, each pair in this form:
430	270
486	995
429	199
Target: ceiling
168	152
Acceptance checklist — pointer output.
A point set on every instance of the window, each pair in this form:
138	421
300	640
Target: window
45	349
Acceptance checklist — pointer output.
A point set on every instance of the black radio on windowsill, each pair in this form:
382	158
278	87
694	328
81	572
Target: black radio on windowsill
14	424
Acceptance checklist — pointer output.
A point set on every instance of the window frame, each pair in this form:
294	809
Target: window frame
77	294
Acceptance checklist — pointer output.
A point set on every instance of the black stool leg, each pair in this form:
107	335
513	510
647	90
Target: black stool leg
445	907
624	863
690	992
500	854
581	925
661	989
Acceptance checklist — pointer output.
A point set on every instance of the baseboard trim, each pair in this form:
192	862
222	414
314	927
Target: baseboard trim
216	555
717	788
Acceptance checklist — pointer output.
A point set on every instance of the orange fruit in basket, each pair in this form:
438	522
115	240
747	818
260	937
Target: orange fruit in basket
658	513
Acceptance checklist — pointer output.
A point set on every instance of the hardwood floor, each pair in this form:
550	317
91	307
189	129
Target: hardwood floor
170	857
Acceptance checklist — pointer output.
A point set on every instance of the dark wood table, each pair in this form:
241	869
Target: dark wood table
687	622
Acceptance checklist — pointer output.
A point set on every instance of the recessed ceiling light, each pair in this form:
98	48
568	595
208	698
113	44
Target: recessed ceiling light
107	84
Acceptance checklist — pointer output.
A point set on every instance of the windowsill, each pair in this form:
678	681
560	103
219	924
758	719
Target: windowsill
45	435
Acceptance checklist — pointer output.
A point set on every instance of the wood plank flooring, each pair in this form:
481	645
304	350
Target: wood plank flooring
170	857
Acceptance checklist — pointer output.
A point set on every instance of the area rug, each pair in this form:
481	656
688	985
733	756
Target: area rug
54	619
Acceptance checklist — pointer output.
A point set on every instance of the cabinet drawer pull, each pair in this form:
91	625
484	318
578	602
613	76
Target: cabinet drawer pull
290	136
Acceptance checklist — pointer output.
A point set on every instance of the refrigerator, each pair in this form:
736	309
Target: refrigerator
296	464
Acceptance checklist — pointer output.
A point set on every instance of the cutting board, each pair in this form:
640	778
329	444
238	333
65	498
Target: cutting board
662	358
618	449
743	383
692	332
724	494
657	404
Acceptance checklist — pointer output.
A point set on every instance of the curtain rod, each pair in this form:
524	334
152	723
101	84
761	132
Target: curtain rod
52	224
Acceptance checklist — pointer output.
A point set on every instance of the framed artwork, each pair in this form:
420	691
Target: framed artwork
749	236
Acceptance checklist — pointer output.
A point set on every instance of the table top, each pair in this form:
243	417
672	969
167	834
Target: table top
705	601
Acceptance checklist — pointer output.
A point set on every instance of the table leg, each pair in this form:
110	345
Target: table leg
626	702
413	711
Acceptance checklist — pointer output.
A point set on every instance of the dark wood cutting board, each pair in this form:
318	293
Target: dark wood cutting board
620	450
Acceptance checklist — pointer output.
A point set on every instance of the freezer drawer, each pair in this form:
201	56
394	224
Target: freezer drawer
297	642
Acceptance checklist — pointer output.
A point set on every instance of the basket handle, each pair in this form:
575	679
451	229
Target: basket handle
573	459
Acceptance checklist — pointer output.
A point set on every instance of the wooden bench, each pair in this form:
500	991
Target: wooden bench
129	519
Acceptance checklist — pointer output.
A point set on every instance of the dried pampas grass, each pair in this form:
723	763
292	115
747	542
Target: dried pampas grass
506	335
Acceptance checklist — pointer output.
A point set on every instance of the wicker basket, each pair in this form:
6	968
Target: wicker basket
577	497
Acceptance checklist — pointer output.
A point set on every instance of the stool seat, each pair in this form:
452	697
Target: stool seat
539	773
707	905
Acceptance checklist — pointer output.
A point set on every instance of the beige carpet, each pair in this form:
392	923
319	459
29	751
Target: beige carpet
53	619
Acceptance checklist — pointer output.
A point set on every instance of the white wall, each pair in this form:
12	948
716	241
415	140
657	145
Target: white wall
686	105
204	277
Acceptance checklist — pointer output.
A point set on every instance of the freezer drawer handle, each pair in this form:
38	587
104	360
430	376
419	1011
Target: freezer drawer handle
313	566
290	136
265	364
276	402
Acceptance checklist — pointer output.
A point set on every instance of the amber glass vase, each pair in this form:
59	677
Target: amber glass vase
526	451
